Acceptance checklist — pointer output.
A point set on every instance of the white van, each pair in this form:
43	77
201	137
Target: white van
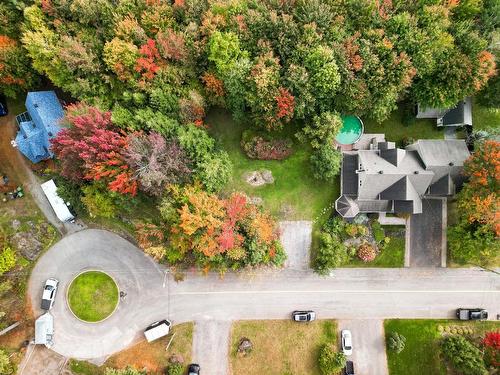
157	330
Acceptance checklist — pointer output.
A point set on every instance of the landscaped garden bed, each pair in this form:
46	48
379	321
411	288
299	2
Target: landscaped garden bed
364	243
280	347
423	351
93	296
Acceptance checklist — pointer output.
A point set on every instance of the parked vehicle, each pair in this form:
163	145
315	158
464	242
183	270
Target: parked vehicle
303	316
349	368
157	329
346	340
3	106
49	293
472	314
194	369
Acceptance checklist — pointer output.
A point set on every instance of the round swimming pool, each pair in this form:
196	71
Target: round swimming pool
351	131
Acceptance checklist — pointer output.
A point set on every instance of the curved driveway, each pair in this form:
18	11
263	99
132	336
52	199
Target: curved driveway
346	294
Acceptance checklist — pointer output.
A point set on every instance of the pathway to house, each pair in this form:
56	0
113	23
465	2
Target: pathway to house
368	346
428	235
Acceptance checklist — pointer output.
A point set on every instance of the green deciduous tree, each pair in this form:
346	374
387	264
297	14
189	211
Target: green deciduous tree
331	361
326	162
6	367
463	355
7	259
322	130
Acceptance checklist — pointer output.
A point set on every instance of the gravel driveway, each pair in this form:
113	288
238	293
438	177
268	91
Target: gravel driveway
296	239
211	345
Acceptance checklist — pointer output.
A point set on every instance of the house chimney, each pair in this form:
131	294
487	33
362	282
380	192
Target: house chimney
380	172
416	172
451	164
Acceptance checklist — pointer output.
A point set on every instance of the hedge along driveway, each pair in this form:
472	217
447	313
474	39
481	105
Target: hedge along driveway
294	185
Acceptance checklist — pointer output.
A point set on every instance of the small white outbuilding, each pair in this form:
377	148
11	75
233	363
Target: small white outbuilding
44	330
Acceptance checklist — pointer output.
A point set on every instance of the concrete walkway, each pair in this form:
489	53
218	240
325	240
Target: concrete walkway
383	219
211	345
368	343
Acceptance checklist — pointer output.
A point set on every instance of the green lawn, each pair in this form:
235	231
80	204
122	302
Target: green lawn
394	129
93	296
483	118
422	354
392	256
295	194
280	347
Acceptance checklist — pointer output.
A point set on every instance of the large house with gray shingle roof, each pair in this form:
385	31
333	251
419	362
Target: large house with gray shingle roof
388	179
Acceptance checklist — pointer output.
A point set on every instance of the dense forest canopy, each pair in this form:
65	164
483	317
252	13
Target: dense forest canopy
270	61
146	71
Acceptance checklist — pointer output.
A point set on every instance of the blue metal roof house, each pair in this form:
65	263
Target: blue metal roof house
38	125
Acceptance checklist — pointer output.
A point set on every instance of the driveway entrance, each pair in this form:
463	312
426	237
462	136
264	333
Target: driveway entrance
428	235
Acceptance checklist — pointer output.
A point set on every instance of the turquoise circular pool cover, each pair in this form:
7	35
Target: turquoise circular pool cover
351	131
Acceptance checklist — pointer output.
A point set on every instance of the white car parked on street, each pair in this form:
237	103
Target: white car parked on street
346	339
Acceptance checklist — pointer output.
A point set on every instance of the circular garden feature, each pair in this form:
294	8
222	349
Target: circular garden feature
93	296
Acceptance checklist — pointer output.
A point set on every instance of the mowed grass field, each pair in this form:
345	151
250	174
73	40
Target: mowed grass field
280	347
93	296
422	354
295	193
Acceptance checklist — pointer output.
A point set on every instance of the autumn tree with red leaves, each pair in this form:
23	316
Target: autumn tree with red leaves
92	149
148	63
491	344
285	103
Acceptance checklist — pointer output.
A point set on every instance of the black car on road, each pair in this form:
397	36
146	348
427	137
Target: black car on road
472	314
349	368
194	369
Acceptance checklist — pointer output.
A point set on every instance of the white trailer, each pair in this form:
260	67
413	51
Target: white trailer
44	330
157	330
58	205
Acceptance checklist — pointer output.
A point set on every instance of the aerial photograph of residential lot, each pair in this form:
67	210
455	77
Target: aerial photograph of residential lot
258	187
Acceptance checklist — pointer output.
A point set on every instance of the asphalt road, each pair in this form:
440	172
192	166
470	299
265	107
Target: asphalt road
152	295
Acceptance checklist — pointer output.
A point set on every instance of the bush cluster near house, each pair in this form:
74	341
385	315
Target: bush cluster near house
474	238
342	243
330	360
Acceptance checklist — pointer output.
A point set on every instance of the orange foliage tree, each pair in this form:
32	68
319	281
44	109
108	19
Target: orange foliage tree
218	233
